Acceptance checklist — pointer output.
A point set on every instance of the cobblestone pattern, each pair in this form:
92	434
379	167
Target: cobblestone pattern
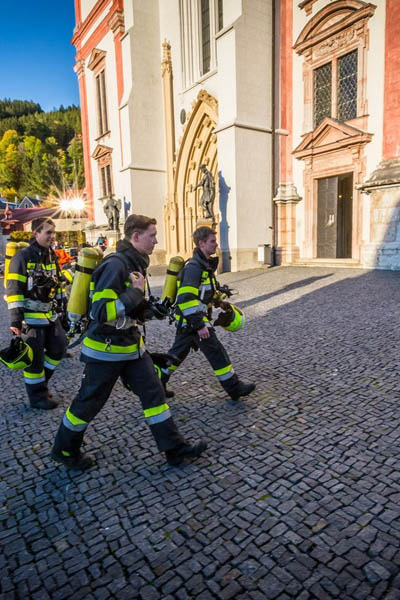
296	497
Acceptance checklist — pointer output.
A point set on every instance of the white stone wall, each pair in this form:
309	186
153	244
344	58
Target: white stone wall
147	140
242	85
375	104
112	139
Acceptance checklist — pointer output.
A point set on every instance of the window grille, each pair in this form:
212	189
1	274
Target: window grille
322	93
347	86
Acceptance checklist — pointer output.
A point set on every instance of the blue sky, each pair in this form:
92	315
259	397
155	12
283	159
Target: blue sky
36	54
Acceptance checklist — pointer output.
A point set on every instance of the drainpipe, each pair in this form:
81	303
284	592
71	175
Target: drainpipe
274	107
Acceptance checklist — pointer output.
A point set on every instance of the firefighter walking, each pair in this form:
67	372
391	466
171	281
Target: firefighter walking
195	295
35	298
113	347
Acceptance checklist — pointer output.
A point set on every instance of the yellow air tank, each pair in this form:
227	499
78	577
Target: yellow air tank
11	250
78	302
171	279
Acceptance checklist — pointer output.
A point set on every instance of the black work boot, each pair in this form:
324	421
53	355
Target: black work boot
44	403
78	461
242	389
168	393
177	455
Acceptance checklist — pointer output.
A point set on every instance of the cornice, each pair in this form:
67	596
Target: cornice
101	151
308	38
96	59
117	22
307	5
81	29
79	68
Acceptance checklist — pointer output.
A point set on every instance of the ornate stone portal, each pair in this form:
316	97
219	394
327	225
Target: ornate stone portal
198	146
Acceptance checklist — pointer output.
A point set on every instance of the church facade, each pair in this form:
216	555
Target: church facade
291	106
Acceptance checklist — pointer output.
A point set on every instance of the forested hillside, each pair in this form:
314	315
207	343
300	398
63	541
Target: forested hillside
40	153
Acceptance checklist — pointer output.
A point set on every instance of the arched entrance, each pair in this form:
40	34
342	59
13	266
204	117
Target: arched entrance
198	146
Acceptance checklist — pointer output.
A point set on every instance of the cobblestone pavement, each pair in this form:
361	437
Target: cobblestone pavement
296	497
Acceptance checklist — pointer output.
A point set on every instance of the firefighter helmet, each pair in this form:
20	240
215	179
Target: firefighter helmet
18	355
231	319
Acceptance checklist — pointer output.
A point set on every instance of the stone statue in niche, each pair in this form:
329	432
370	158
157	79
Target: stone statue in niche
112	208
207	199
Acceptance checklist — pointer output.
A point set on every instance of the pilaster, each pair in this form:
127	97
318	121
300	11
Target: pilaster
79	69
286	200
171	209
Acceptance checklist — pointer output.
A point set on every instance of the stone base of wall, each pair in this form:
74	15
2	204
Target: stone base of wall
381	256
244	258
383	250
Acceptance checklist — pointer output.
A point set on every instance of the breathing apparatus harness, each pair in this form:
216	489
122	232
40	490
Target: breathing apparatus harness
152	307
42	290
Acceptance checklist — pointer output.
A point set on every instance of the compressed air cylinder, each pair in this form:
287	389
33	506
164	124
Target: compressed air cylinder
170	284
11	250
78	302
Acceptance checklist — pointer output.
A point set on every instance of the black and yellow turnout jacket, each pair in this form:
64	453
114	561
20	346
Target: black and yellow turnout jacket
196	288
27	267
112	333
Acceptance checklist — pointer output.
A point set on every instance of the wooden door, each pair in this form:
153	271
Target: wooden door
327	217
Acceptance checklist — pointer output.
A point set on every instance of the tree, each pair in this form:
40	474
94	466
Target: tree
39	152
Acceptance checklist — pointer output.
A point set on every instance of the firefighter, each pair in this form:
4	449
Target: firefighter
113	347
197	287
35	301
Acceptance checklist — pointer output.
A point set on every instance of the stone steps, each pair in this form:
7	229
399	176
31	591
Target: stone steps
328	262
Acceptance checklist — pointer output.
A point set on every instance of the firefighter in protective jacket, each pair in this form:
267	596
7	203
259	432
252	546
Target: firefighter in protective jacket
194	328
35	300
113	347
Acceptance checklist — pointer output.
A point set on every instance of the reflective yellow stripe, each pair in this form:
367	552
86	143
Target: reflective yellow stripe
107	294
32	265
187	289
189	304
111	348
38	315
16	277
67	275
33	375
51	361
74	420
15	299
157	410
111	311
223	370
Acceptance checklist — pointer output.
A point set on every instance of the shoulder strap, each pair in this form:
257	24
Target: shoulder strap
120	257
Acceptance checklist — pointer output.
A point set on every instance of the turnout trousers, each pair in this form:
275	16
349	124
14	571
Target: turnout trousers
98	381
48	344
212	349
